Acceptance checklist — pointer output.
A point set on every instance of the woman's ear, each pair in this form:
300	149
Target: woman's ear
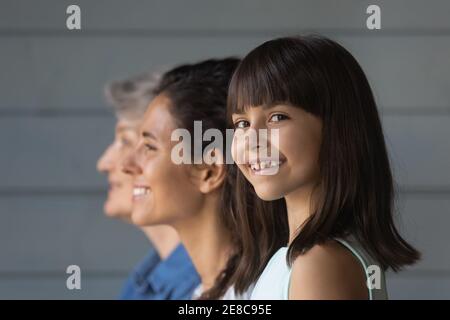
211	174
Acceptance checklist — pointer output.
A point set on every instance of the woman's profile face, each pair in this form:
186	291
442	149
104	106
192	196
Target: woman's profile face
298	146
163	191
118	203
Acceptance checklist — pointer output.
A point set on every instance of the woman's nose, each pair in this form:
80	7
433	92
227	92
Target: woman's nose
105	163
129	164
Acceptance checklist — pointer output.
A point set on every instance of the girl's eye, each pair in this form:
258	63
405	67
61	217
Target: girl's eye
241	124
278	117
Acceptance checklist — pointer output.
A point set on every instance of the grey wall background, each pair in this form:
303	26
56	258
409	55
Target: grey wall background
54	123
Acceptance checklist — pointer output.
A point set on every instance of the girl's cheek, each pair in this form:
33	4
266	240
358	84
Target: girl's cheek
236	150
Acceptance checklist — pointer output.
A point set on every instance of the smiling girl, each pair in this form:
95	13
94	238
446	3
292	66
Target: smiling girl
332	170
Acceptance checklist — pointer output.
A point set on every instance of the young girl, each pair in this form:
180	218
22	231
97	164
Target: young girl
331	169
196	199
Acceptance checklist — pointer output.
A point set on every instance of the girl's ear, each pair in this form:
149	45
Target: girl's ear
211	174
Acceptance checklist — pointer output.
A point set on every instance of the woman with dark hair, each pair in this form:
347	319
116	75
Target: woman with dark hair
331	169
195	198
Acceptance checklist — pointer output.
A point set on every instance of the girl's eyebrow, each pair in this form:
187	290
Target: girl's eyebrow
265	106
276	104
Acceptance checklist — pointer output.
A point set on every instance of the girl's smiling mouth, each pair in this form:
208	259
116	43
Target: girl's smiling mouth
265	166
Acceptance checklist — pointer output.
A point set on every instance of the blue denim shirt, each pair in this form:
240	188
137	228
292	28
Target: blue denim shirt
174	278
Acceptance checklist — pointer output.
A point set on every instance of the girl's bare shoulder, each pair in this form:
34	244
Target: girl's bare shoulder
328	271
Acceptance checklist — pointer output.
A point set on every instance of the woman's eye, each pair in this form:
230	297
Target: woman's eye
126	142
278	117
150	147
241	124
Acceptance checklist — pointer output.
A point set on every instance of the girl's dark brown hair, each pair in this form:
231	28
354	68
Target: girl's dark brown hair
198	92
356	190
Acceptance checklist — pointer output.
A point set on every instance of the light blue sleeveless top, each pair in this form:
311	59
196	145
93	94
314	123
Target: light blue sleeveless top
273	284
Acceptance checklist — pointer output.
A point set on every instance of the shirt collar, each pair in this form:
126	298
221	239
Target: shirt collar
145	269
173	270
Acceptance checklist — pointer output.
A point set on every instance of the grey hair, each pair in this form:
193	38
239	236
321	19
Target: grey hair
130	97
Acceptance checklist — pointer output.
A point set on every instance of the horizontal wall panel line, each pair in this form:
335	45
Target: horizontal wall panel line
422	273
107	112
63	191
61	274
53	112
154	33
415	111
121	274
93	191
424	190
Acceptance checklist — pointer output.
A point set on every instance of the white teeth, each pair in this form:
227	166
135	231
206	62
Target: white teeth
140	191
261	165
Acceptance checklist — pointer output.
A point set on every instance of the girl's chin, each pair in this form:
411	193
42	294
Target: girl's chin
268	195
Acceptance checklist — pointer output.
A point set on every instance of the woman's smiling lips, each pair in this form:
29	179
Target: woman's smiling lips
140	191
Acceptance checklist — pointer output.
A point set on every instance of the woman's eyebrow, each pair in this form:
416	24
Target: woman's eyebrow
124	127
148	134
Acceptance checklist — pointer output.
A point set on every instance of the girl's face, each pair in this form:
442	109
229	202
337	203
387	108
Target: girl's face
163	191
298	146
119	203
